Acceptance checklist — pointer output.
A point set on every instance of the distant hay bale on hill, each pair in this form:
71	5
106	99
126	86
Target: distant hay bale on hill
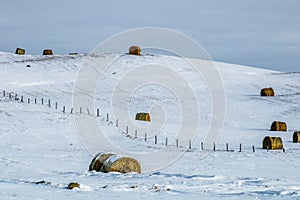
143	117
109	162
296	137
48	52
278	126
135	50
267	92
98	161
20	51
272	143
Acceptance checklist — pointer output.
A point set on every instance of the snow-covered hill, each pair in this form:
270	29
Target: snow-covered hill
38	142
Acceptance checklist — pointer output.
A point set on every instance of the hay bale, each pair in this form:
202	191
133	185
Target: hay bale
135	50
20	51
121	164
73	185
48	52
296	137
143	117
267	92
272	143
98	161
278	126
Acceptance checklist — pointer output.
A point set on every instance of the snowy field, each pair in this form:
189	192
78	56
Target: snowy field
41	151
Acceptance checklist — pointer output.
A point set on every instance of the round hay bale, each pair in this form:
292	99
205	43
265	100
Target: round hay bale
267	92
143	117
296	137
121	164
73	185
48	52
98	161
20	51
278	126
272	143
135	50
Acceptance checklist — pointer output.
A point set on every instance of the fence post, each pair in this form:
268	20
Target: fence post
227	147
9	96
64	109
283	150
201	146
34	100
49	102
214	147
135	134
98	112
3	93
126	130
117	122
28	100
80	111
107	117
145	137
190	144
71	110
240	147
155	139
176	142
166	141
253	148
22	99
88	111
55	105
16	97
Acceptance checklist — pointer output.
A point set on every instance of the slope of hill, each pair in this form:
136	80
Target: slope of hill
40	142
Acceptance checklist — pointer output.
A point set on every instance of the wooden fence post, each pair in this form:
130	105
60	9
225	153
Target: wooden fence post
253	148
98	112
49	102
201	146
135	134
34	100
227	149
176	142
28	100
214	147
64	109
80	111
240	147
166	141
155	139
190	144
22	100
107	117
3	93
117	122
145	137
126	130
55	105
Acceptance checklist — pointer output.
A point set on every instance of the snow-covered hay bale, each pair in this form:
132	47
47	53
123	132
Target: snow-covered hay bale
20	51
143	117
267	92
135	50
278	126
98	161
272	143
73	185
296	137
48	52
121	164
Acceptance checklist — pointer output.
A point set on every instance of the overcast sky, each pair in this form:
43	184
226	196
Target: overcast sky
263	33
